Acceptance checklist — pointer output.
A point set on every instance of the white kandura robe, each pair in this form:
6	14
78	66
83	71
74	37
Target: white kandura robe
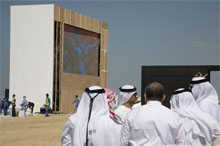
152	125
206	98
102	129
200	128
68	131
122	111
136	105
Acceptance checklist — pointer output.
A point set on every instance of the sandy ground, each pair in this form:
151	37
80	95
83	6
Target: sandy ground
36	130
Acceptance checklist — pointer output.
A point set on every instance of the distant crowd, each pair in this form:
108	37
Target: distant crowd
24	106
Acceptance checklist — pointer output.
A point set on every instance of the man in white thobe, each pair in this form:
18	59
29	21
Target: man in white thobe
91	125
205	96
200	128
68	131
127	98
117	122
152	124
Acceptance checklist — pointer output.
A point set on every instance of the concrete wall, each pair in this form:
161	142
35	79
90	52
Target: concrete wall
31	53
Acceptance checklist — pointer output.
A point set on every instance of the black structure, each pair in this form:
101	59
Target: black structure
172	77
7	93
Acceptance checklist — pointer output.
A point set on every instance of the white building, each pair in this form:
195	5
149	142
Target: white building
37	51
31	53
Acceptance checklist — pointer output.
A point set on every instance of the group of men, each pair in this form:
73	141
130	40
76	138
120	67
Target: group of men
5	104
194	117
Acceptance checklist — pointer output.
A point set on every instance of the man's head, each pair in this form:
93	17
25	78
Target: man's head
133	99
13	95
202	89
127	95
47	95
77	96
154	91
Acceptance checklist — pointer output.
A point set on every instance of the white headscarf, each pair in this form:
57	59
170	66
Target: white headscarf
185	105
124	95
206	97
99	127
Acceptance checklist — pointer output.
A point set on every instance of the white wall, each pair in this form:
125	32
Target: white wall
31	53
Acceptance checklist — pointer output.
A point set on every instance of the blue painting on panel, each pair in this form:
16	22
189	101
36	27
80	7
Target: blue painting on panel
81	51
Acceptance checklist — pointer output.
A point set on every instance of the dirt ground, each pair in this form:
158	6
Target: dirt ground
36	130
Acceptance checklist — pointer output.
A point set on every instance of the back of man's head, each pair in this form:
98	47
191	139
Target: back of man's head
47	95
154	91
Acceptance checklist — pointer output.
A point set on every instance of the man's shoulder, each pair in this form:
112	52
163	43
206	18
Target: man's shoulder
169	111
118	108
122	111
136	111
122	107
162	110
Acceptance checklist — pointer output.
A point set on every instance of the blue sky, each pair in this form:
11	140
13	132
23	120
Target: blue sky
140	33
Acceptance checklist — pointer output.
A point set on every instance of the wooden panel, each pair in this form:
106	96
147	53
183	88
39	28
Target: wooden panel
96	25
92	24
61	14
102	75
56	13
104	25
106	76
100	26
83	21
71	81
102	81
106	40
106	60
67	16
102	61
87	22
102	39
68	105
77	19
72	85
73	18
102	57
80	19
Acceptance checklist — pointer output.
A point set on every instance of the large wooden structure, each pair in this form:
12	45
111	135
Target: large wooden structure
74	84
38	30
